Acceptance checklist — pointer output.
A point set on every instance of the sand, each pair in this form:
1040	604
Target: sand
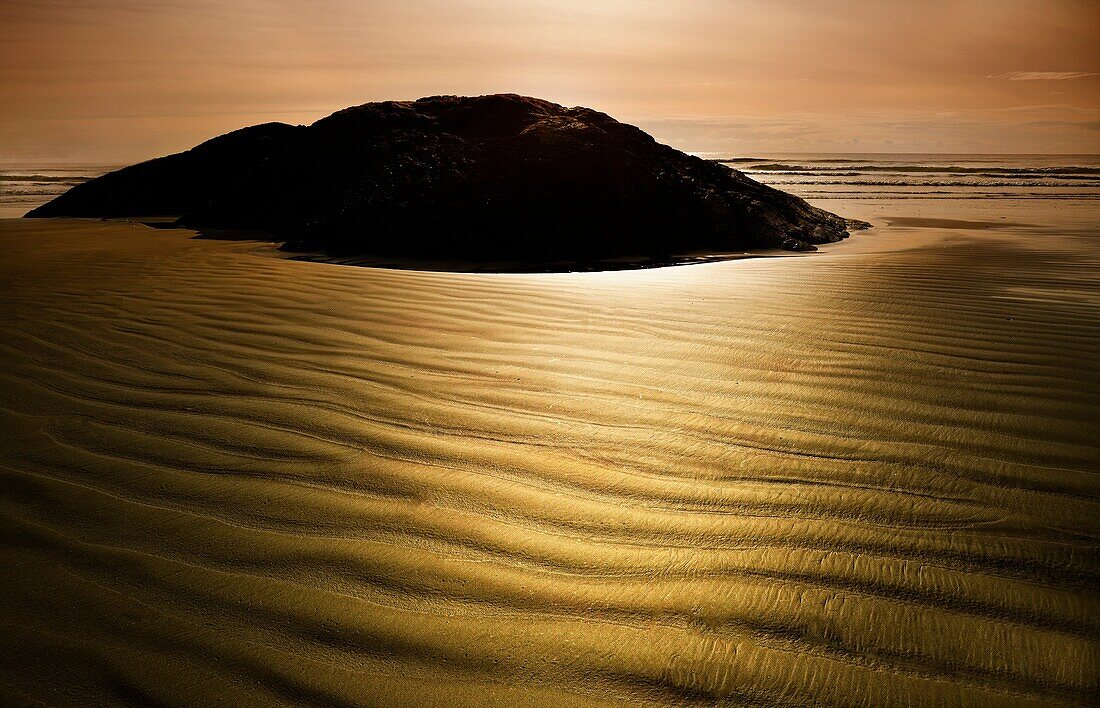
867	476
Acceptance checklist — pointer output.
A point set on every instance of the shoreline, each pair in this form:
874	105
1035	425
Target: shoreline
623	263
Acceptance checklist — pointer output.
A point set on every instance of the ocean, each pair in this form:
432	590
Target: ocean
926	176
26	184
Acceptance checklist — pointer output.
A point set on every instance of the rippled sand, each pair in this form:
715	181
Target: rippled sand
862	477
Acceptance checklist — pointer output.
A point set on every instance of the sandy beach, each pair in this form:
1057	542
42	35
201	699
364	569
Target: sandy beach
866	476
549	354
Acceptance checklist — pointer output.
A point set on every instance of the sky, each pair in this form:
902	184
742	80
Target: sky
121	80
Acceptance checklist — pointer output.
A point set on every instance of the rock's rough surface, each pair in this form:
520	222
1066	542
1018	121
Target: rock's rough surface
500	177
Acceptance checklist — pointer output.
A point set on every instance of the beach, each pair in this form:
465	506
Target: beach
864	476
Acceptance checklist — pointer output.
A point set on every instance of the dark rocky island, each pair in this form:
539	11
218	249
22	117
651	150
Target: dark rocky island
489	178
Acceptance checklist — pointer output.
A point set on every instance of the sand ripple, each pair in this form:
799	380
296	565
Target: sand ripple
868	477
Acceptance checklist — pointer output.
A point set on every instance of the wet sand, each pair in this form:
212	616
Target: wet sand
867	476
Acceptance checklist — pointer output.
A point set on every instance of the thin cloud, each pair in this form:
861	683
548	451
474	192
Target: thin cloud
1043	75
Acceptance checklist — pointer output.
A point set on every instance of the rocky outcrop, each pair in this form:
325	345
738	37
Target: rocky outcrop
502	177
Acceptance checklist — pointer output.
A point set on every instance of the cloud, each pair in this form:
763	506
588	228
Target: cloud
1043	75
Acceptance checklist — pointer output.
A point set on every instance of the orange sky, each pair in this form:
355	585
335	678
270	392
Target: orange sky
119	80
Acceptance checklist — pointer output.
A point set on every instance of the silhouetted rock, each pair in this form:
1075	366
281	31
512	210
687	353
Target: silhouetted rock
501	178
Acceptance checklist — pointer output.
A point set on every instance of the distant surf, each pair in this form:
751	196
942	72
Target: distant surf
27	184
894	176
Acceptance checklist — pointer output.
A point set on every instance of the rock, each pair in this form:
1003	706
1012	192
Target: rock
488	178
